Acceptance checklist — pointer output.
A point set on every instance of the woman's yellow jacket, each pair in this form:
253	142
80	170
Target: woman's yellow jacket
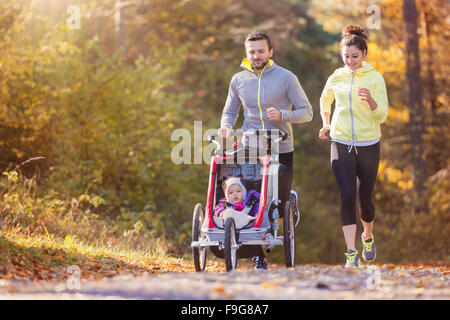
353	121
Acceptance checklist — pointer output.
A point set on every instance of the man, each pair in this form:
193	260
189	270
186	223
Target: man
267	92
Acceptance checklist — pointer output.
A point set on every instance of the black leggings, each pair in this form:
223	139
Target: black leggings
355	174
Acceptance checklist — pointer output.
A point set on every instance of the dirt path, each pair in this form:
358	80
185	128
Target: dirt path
302	282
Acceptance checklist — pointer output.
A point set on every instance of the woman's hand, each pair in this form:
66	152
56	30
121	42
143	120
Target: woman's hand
364	93
323	131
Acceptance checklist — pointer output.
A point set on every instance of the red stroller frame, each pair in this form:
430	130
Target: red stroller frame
231	243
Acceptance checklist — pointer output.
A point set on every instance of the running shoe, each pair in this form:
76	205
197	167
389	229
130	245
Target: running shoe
369	253
352	259
260	263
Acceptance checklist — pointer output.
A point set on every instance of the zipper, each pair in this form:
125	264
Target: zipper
353	144
259	93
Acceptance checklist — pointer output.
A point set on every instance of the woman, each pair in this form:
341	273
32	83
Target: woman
361	106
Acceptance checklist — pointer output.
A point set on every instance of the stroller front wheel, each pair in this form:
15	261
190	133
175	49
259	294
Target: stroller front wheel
230	245
199	255
289	235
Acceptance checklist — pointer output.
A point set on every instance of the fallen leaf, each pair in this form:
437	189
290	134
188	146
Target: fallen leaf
219	289
269	285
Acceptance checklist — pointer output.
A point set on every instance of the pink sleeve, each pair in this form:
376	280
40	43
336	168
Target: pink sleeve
219	209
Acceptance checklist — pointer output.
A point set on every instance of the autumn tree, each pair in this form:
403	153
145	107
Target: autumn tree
414	82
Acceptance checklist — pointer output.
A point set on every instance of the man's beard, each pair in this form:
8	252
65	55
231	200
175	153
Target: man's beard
259	64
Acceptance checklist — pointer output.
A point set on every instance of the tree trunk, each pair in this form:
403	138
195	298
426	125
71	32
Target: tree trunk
120	26
415	102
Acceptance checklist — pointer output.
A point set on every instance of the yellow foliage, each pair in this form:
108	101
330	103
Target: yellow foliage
401	178
386	59
399	115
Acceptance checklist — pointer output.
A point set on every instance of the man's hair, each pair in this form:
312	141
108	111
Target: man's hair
259	35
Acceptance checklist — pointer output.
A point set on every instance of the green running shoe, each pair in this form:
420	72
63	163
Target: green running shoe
352	259
369	253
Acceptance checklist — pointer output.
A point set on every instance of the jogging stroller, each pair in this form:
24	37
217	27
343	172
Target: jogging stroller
258	171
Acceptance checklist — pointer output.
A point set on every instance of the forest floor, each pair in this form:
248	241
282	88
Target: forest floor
302	282
46	268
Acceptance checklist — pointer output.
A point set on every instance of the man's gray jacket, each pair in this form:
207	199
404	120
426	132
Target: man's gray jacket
275	87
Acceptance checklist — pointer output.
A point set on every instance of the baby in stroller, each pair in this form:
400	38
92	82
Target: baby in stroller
238	203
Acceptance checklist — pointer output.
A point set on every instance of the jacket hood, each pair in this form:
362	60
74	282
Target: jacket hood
246	64
365	69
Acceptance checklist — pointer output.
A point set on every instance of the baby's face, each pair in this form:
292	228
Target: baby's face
235	194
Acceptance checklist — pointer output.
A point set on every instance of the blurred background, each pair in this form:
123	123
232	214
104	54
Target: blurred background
91	91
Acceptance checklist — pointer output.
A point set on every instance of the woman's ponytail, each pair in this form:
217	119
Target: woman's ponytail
355	35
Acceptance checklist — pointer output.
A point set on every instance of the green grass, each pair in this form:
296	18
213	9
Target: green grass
46	257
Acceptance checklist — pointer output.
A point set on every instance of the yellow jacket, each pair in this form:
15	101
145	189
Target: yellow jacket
353	121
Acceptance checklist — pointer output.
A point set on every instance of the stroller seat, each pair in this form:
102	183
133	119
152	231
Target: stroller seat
250	174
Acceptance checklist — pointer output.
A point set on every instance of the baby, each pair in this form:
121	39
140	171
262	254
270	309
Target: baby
236	198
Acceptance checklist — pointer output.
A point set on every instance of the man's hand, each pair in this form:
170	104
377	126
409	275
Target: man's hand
273	114
224	132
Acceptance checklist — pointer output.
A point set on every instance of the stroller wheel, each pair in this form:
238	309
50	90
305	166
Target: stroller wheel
199	255
289	235
230	245
294	201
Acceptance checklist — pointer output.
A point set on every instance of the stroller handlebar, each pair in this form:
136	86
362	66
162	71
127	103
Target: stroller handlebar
268	134
258	132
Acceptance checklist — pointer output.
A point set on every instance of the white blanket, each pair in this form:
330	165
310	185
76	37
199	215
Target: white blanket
240	218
